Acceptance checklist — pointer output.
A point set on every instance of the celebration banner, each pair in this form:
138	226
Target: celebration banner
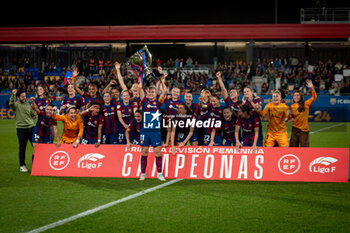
195	162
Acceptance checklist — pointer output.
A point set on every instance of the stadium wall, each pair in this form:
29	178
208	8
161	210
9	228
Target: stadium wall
176	32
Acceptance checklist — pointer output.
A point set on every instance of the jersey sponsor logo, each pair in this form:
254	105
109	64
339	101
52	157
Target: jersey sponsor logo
151	106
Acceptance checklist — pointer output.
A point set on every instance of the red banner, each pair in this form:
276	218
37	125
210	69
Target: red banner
195	162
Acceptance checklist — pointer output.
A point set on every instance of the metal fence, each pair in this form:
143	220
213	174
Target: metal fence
324	15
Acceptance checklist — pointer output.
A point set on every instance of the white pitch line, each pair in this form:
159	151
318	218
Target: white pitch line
132	196
329	127
102	207
325	128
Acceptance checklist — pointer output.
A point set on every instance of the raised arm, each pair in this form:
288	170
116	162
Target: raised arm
112	82
313	92
222	85
142	92
77	89
164	87
119	76
13	99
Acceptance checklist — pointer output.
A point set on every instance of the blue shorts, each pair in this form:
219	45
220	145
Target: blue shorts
194	137
111	138
121	138
180	137
40	139
135	142
150	138
134	138
88	141
217	140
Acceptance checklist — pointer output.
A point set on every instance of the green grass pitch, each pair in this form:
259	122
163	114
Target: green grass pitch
29	202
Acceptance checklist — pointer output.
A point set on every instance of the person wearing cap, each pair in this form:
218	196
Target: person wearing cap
73	126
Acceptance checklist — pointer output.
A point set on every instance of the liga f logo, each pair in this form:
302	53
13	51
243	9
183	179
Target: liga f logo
323	165
89	161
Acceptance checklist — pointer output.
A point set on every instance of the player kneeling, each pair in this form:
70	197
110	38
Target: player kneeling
93	125
42	131
182	132
228	127
250	125
132	133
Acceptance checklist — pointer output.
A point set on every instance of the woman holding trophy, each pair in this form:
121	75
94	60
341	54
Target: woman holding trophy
150	132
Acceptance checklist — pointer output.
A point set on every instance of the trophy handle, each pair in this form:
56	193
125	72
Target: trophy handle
149	55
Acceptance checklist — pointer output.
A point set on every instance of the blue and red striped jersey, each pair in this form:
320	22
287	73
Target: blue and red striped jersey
76	101
195	109
135	129
234	105
171	106
248	126
214	113
88	99
91	125
127	112
42	127
109	113
228	129
43	102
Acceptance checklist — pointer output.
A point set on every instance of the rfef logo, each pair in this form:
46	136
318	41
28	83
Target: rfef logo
59	160
289	164
89	161
323	165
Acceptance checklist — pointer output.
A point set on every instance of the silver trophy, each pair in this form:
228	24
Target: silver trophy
140	64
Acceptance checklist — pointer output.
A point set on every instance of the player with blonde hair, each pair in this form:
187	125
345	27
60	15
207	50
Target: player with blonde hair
276	128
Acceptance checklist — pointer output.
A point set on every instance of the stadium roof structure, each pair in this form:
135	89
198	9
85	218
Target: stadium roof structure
175	32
